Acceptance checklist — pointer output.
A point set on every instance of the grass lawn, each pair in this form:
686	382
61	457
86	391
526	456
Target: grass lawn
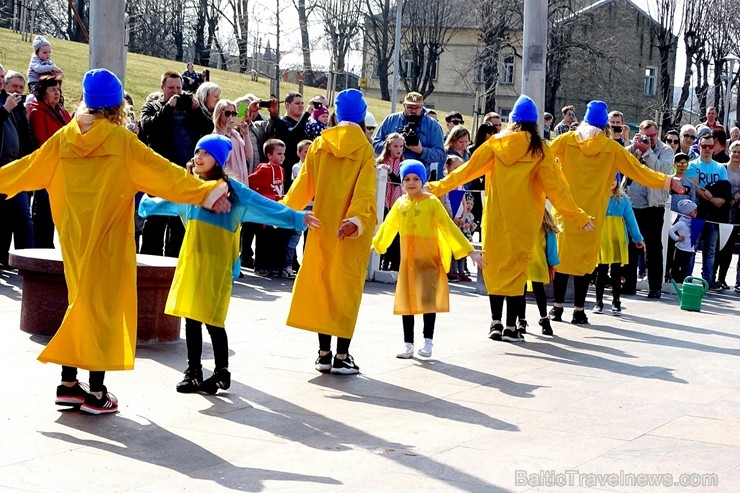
143	73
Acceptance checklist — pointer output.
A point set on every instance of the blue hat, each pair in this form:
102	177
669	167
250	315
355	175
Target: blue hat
217	146
101	89
597	114
415	167
685	207
524	110
350	106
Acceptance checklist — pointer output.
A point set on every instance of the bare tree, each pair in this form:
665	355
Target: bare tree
694	35
342	21
304	13
663	13
380	41
428	27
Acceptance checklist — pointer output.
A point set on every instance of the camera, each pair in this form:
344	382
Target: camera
185	101
645	139
409	134
617	129
265	104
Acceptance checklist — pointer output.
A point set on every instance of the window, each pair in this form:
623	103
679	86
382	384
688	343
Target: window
407	66
504	112
507	70
651	81
480	73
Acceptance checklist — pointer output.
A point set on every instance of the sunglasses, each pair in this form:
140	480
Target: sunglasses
692	137
570	113
681	164
671	141
229	114
456	122
707	146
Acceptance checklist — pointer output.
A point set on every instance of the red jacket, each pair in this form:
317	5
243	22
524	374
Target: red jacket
267	180
45	120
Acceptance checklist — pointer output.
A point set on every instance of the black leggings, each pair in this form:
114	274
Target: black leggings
540	297
580	288
513	307
408	326
194	341
342	344
602	274
69	374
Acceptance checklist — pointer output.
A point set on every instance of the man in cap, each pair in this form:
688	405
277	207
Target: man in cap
422	135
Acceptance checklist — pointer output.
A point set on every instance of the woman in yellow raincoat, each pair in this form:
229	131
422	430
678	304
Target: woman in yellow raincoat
589	160
428	238
339	175
92	168
520	172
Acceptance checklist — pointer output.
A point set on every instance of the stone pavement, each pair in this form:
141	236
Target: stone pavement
595	408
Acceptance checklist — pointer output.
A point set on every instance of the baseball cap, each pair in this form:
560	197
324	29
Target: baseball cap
413	98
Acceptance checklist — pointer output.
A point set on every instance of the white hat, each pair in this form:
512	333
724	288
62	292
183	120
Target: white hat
370	120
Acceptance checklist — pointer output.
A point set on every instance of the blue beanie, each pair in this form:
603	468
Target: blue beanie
350	106
415	167
524	110
217	146
596	114
101	89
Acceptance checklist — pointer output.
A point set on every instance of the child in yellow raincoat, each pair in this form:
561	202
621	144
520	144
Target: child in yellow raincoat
590	159
339	171
520	172
428	238
92	169
209	259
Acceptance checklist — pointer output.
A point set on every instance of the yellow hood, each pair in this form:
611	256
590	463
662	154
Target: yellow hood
342	141
510	148
84	136
593	145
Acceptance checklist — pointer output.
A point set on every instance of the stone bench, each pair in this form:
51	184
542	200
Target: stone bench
44	299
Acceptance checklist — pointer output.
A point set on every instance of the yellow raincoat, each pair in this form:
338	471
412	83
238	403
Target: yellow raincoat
514	200
428	238
92	177
339	174
589	166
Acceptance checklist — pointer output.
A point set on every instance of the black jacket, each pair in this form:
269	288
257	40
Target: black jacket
20	121
158	128
291	132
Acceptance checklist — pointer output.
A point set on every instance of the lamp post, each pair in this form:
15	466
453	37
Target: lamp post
535	53
728	90
396	55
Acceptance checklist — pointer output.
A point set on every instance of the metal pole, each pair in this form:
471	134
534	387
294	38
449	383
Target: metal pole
534	53
728	92
107	32
277	51
396	54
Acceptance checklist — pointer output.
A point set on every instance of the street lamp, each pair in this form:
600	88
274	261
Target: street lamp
728	91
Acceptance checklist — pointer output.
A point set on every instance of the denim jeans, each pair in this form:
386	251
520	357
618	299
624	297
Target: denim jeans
708	244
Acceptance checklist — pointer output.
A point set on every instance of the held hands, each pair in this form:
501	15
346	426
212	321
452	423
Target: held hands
676	186
477	257
222	205
551	273
588	227
311	221
347	229
640	244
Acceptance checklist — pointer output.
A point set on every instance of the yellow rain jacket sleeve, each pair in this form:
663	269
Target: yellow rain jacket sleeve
339	174
517	184
92	178
589	166
428	235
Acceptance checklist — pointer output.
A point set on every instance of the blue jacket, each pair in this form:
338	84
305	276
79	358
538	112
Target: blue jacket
621	207
430	137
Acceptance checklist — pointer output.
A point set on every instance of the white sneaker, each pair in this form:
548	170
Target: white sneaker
407	352
426	351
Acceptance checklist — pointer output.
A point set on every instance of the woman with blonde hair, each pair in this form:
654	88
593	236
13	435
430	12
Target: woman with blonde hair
207	96
227	123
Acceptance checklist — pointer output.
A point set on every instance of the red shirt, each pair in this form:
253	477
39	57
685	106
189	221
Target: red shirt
267	180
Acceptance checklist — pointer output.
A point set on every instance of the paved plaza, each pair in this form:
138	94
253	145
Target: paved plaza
607	407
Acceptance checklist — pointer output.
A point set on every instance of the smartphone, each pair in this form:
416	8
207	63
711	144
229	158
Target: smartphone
185	101
317	104
236	120
241	109
265	104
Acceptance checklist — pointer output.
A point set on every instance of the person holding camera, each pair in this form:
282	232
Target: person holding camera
16	141
169	126
619	131
290	128
422	135
649	206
